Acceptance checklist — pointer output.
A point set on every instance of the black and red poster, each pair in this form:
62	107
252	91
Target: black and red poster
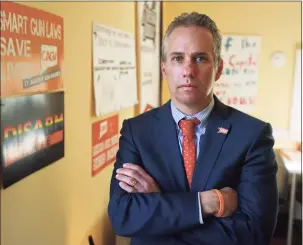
32	134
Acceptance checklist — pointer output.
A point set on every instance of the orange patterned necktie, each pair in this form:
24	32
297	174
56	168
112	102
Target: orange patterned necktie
188	146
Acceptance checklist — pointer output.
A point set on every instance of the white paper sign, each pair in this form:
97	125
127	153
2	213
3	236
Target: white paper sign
237	86
149	45
115	84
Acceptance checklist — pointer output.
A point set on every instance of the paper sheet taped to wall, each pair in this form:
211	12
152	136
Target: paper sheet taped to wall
149	50
237	85
114	69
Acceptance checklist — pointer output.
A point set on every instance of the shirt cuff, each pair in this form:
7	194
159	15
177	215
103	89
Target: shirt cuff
200	211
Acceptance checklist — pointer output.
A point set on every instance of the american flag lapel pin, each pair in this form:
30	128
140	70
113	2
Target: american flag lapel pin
222	130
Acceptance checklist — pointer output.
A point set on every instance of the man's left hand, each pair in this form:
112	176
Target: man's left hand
133	178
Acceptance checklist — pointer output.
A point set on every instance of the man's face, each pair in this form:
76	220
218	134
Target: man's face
190	66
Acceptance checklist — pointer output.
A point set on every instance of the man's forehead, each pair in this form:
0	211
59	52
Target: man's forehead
187	46
190	37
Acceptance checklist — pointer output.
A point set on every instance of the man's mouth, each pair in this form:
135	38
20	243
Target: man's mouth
187	86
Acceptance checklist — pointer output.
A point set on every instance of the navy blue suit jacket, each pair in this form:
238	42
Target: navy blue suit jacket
242	159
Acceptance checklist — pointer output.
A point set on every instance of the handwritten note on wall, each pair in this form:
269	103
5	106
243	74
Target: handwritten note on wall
114	69
237	86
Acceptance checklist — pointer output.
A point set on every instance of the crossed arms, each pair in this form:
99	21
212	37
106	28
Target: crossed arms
140	214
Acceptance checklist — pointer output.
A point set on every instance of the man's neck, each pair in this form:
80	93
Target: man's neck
192	109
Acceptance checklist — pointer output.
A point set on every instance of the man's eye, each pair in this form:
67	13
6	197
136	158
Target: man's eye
177	58
200	58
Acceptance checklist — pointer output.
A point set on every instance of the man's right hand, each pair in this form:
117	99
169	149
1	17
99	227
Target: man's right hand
210	202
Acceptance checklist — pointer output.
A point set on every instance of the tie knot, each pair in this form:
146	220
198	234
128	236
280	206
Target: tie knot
188	126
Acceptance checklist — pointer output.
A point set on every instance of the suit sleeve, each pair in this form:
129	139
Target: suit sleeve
144	214
255	220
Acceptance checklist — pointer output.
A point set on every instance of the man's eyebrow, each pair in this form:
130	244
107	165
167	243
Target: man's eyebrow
176	53
193	54
200	53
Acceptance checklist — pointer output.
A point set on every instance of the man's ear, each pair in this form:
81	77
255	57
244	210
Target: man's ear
219	70
163	69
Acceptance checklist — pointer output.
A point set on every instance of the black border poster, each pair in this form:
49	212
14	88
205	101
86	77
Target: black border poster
32	134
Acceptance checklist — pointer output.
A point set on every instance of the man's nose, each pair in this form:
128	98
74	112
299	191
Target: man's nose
189	70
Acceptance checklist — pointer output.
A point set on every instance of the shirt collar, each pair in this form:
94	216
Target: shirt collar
201	116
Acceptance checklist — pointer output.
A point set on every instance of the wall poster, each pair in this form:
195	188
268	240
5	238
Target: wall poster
32	134
105	142
237	86
149	26
32	44
114	69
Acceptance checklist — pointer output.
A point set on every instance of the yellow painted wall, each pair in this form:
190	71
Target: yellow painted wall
279	25
62	203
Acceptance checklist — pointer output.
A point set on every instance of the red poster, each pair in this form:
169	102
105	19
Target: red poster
31	50
105	143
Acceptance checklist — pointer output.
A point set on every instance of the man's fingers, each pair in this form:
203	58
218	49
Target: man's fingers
129	181
127	188
140	170
131	173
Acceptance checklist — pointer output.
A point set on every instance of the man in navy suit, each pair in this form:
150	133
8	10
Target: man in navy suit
194	171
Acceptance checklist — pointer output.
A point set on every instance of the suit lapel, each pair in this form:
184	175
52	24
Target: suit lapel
211	145
168	145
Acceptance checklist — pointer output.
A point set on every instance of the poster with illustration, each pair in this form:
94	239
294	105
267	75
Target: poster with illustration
32	43
149	16
237	86
105	142
32	134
